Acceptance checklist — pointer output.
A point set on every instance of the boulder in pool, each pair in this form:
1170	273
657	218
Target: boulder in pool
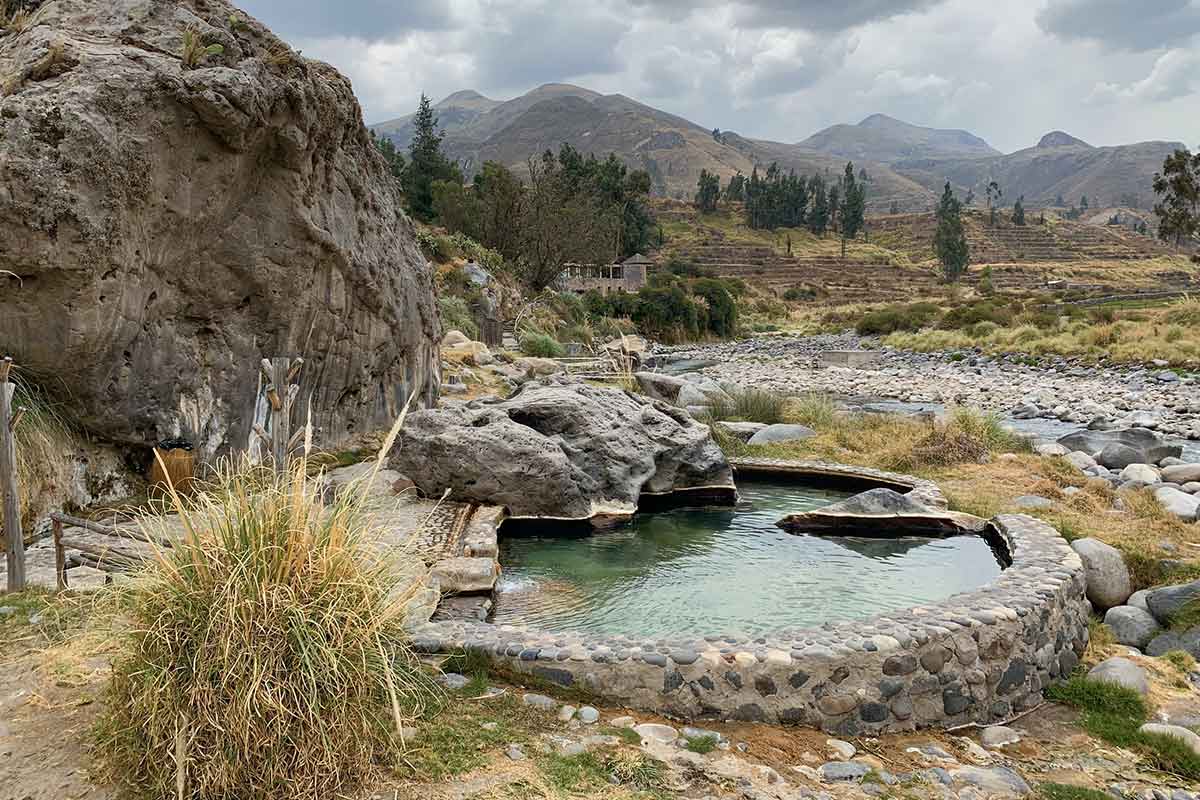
562	449
881	512
1120	448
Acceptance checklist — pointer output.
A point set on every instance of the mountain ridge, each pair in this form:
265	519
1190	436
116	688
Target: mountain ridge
907	164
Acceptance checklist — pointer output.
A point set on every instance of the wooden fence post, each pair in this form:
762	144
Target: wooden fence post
15	551
281	394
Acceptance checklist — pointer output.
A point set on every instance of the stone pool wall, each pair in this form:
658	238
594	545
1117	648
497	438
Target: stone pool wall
978	656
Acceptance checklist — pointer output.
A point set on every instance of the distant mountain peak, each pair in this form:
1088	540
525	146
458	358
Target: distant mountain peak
463	96
1060	139
877	120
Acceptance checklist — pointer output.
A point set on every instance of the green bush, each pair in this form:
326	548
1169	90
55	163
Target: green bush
797	294
895	318
667	313
722	310
971	315
457	316
542	345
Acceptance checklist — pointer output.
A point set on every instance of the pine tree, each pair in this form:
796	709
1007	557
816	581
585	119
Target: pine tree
853	206
1019	211
818	218
708	191
426	163
950	240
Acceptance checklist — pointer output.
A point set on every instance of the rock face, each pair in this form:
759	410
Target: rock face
561	449
170	226
1119	449
1108	582
881	512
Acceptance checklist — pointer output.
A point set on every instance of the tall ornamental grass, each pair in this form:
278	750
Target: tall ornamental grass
266	657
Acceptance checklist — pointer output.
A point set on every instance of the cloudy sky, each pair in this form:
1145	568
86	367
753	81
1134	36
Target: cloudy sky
1107	71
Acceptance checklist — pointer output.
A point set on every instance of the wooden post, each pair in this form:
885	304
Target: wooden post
8	482
281	394
60	556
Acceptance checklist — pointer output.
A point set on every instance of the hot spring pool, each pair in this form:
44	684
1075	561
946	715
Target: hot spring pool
702	571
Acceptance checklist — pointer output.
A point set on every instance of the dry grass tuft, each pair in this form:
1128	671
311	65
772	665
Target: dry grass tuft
44	443
266	656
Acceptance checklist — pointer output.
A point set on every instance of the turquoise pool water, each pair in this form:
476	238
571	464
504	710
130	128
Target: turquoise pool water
697	571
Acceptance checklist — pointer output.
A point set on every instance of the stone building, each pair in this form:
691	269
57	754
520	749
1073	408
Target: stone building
626	276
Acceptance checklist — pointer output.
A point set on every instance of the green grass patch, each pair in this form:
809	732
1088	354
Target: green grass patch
701	744
1065	791
574	774
1188	616
1114	713
751	405
626	735
542	345
453	739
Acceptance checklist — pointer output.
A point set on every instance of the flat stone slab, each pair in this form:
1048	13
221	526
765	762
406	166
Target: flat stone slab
463	574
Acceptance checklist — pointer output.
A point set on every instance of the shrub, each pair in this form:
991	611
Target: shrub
751	405
814	409
667	313
986	287
266	656
797	294
968	316
542	345
1103	315
457	316
945	446
722	310
894	318
44	444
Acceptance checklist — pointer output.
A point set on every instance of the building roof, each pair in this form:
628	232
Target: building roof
638	258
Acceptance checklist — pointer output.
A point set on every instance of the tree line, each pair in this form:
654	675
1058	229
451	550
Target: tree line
570	208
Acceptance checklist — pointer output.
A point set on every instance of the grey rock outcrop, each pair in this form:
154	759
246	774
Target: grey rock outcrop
881	512
1187	641
1120	448
562	449
170	225
1108	582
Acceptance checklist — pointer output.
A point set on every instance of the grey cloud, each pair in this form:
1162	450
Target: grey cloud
373	20
812	15
545	45
1129	24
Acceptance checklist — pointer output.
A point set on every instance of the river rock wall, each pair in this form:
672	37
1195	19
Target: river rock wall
164	225
979	656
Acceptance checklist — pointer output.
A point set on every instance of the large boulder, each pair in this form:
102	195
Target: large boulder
1181	473
1118	449
1122	672
170	224
1187	640
782	432
1178	503
1108	582
881	512
1132	626
562	449
1164	603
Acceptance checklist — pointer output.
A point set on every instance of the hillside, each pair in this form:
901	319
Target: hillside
898	262
1059	165
672	149
907	164
885	139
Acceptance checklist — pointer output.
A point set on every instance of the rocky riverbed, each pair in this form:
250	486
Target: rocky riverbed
1052	388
